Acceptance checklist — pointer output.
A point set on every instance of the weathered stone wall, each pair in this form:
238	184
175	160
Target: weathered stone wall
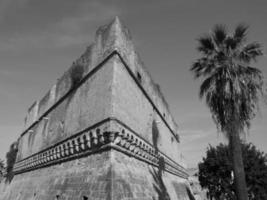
87	105
104	131
46	130
103	176
133	108
136	180
109	39
85	177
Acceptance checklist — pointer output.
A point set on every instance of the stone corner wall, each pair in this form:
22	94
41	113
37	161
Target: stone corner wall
103	131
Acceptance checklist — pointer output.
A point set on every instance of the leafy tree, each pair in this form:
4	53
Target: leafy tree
2	168
11	159
215	172
231	87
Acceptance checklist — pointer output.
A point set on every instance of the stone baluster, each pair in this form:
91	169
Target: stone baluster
66	148
41	158
32	161
132	142
71	148
150	153
76	144
112	136
140	152
136	149
51	154
101	136
147	148
62	150
30	164
144	150
45	156
35	160
38	159
58	151
118	138
94	137
123	138
127	140
88	139
82	140
54	153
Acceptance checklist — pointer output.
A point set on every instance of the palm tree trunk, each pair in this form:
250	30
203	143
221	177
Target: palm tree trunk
239	172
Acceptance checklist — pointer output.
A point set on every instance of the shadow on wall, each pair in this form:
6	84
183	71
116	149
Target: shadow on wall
155	135
189	193
158	184
76	74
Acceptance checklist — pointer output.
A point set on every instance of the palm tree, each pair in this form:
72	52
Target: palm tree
231	88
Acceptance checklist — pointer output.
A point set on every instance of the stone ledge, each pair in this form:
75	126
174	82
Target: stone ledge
105	135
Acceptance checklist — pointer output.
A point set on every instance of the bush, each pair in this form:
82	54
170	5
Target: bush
215	172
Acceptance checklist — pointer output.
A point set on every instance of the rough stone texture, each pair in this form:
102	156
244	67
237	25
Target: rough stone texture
132	107
107	82
135	180
87	105
104	176
90	177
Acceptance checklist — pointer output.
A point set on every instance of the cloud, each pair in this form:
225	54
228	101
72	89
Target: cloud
7	5
61	30
192	135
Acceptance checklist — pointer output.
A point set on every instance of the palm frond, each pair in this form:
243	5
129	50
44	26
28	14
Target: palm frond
240	33
250	52
206	86
255	73
203	67
230	43
231	87
206	45
219	34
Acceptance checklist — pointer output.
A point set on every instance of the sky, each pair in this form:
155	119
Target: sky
40	39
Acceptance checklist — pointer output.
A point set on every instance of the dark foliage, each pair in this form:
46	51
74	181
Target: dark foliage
215	172
2	170
11	159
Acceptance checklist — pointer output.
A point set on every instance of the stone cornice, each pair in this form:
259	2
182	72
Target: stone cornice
105	135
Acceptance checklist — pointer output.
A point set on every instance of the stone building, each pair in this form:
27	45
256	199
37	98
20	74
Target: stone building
103	131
